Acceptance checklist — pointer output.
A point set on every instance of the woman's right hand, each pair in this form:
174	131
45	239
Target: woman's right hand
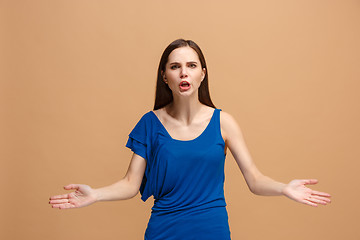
83	196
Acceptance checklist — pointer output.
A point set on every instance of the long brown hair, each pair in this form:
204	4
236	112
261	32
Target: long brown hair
163	94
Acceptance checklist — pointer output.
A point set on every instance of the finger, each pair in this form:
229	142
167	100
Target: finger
309	203
72	186
62	196
309	181
322	199
55	205
66	206
63	206
59	201
60	206
320	193
316	200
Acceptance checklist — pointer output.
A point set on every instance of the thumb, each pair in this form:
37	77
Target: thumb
309	181
72	186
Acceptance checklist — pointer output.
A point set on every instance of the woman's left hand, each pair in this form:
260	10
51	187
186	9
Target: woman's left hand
297	191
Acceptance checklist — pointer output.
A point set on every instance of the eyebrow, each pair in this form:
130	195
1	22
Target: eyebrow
179	63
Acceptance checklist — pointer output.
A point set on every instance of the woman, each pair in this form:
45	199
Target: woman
179	155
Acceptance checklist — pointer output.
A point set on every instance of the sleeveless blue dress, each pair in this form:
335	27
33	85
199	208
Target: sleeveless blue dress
186	179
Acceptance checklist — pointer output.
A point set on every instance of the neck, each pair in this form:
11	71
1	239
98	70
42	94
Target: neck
184	109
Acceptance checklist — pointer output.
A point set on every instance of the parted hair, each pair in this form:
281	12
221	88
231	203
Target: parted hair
163	94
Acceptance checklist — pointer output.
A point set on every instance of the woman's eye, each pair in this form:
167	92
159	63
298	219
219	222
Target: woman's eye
193	65
173	67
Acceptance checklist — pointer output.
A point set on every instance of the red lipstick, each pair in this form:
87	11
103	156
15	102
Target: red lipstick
184	85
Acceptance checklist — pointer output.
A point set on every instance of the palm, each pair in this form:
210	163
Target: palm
83	196
297	191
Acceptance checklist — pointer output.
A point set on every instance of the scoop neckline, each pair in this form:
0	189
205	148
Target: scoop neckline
178	140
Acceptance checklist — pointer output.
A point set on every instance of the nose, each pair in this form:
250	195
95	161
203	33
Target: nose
183	73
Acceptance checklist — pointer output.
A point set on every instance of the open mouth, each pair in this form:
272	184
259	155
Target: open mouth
184	84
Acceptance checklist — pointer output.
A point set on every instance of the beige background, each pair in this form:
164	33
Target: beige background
76	76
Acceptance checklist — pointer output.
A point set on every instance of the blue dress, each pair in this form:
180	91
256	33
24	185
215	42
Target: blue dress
186	179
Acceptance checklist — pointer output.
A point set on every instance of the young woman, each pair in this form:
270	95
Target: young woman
179	154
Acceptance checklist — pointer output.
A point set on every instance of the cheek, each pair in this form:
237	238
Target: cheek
172	82
199	78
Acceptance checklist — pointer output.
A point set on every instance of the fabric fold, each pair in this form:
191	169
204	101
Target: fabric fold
137	147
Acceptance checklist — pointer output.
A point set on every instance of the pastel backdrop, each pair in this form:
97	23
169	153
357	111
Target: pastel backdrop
76	76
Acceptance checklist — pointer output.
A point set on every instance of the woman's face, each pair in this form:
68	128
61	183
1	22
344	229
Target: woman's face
183	72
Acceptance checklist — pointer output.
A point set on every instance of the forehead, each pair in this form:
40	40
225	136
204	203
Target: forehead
183	54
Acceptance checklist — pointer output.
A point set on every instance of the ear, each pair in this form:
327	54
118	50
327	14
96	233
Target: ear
203	74
163	76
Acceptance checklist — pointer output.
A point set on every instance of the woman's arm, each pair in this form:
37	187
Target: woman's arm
84	195
257	182
128	186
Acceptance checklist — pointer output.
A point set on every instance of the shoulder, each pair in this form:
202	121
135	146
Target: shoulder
229	125
145	120
226	119
145	126
146	116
